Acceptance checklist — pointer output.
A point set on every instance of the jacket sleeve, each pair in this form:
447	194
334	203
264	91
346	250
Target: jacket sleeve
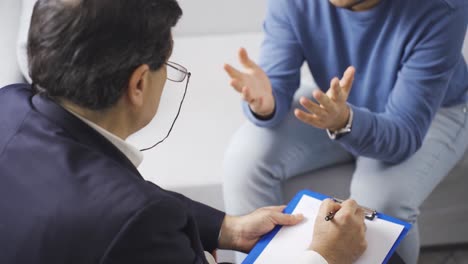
158	233
208	219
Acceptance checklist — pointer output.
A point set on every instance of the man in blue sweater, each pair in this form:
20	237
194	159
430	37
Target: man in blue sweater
400	108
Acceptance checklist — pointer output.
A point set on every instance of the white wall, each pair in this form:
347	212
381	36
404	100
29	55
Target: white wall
9	18
220	17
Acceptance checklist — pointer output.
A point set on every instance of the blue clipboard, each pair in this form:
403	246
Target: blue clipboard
263	242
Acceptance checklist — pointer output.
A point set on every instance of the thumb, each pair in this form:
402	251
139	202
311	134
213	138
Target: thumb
286	219
245	60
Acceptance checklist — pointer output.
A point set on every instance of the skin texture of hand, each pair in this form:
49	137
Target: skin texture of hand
332	112
242	232
342	239
253	85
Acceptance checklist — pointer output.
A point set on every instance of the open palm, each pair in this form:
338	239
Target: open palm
253	85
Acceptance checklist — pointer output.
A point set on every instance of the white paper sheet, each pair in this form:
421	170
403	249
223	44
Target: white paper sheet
290	241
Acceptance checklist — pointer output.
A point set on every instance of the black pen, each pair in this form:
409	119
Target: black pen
370	214
330	216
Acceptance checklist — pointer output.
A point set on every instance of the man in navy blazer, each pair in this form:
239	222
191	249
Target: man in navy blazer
69	188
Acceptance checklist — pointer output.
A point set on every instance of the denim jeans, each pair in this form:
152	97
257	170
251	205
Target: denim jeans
259	159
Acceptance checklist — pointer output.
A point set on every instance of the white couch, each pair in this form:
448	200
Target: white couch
190	160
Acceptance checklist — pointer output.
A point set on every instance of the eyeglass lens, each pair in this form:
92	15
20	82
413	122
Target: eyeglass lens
176	72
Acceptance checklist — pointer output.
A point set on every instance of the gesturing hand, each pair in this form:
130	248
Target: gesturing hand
242	232
253	85
332	112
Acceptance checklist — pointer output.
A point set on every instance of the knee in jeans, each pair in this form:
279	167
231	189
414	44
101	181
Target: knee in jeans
395	203
241	164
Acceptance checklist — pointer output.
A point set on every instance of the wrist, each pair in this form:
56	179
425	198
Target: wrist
266	116
229	233
343	120
333	135
268	108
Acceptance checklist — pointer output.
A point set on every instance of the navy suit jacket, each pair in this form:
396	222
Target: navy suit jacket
68	195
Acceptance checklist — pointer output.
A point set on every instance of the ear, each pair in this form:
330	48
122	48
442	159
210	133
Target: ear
137	85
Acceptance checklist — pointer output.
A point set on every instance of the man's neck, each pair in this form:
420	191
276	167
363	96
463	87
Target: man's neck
110	120
365	5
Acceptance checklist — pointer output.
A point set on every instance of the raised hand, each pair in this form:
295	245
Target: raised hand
253	85
332	111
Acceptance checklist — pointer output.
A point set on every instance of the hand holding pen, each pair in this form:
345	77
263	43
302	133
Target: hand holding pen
369	214
343	239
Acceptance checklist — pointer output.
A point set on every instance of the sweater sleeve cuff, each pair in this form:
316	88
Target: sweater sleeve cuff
362	121
281	109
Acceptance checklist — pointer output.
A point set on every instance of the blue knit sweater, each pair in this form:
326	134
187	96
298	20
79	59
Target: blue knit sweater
407	55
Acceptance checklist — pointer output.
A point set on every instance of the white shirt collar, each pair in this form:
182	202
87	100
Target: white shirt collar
131	152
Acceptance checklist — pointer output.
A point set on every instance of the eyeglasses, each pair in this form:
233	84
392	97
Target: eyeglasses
175	73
